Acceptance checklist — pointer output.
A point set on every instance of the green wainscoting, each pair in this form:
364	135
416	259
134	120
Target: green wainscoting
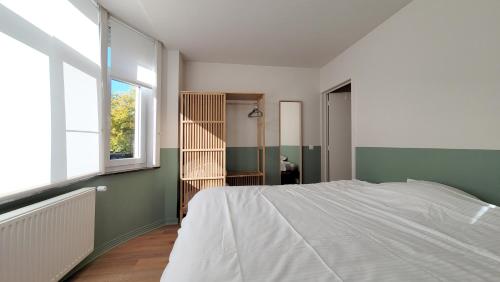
135	202
474	171
244	158
241	158
292	153
312	164
273	176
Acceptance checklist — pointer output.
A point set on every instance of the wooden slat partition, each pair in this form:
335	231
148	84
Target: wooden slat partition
202	143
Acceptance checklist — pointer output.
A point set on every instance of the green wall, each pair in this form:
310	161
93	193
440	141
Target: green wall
134	203
273	175
474	171
312	164
292	153
244	158
241	158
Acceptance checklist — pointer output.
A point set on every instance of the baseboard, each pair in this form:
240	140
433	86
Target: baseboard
104	248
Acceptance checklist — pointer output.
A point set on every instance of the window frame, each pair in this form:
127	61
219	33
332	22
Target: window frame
150	107
149	153
135	163
20	27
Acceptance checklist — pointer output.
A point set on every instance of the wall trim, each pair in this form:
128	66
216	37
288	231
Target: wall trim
120	239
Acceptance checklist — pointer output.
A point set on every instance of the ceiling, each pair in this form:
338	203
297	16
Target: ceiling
301	33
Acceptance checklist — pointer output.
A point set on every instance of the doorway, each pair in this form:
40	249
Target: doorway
337	134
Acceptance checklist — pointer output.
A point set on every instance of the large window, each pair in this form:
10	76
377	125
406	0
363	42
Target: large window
50	75
64	117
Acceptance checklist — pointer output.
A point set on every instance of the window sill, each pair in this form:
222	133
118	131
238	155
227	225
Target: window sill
127	168
42	189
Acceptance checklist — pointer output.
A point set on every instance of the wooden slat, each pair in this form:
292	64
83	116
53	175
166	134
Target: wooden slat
202	127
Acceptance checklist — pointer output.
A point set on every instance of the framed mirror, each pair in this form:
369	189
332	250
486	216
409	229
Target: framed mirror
290	141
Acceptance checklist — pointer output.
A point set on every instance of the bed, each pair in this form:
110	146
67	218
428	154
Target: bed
337	231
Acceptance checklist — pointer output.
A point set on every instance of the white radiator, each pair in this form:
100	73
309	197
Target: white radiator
44	241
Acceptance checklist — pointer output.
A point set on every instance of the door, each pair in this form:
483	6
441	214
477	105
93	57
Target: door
339	136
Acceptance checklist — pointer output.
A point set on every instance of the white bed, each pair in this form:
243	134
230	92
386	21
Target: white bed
337	231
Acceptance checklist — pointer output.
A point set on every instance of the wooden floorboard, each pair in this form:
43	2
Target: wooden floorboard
141	259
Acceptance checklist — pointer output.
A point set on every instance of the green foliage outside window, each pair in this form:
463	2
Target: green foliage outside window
123	122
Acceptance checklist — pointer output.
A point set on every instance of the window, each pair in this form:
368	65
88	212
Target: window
50	75
132	66
57	126
123	141
127	132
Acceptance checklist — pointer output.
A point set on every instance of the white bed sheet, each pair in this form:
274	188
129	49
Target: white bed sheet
336	231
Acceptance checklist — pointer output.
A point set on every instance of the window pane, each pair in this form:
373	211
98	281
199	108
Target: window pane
82	153
25	118
59	18
40	89
123	120
80	96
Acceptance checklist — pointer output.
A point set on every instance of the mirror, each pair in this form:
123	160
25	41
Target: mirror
290	136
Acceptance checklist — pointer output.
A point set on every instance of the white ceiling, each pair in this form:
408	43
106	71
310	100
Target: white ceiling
303	33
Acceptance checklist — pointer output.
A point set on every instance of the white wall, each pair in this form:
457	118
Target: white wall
240	129
172	84
278	83
290	124
427	77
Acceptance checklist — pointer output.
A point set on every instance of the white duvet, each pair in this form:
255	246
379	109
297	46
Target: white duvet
337	231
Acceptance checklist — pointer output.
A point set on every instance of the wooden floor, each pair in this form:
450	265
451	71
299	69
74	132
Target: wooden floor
141	259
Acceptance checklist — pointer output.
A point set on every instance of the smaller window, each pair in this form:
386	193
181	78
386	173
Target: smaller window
122	137
127	127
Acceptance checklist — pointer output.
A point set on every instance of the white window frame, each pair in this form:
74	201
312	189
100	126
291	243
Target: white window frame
150	109
118	165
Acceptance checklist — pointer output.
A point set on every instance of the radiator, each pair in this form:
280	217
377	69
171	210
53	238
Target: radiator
44	241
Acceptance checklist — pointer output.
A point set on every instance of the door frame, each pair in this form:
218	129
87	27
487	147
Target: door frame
325	170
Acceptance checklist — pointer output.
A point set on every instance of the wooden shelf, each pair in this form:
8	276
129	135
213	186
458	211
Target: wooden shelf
203	178
244	178
244	96
203	150
201	121
243	173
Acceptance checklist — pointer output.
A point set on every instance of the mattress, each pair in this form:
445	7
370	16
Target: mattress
336	231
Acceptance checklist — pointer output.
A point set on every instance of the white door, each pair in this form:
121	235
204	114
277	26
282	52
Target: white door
339	136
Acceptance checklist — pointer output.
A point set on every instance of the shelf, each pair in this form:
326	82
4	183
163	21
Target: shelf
244	96
201	121
204	150
244	173
202	178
